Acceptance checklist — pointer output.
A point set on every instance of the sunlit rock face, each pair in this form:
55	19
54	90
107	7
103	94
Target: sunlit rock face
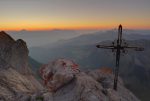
14	52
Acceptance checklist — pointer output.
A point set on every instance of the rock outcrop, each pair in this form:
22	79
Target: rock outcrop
15	74
15	53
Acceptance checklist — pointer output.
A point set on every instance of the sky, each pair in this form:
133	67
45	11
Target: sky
74	14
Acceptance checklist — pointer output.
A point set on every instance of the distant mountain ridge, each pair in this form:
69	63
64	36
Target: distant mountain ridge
106	35
38	38
86	40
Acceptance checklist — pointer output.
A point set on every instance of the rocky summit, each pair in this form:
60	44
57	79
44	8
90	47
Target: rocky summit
62	79
67	83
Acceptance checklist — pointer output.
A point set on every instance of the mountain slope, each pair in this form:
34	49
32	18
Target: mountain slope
35	65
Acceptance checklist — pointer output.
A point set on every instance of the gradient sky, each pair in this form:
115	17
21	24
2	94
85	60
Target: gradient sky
74	14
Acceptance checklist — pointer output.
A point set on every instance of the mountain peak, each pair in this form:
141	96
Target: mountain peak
5	37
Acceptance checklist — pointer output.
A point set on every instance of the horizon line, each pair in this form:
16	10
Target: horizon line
72	29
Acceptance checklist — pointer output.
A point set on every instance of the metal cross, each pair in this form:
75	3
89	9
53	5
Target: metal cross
119	47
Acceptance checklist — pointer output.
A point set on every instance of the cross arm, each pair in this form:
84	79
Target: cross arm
105	46
135	48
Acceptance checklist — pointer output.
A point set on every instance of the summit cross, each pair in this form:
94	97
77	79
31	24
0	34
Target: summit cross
119	47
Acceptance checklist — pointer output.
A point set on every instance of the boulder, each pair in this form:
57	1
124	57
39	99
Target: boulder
57	73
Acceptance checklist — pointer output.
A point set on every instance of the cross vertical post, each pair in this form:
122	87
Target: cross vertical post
119	41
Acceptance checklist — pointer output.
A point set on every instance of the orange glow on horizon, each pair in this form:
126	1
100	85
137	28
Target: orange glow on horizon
72	24
38	28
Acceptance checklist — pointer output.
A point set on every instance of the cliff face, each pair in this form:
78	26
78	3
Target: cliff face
14	52
62	79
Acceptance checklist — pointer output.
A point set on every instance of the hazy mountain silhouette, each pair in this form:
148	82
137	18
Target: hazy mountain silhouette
83	40
38	38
